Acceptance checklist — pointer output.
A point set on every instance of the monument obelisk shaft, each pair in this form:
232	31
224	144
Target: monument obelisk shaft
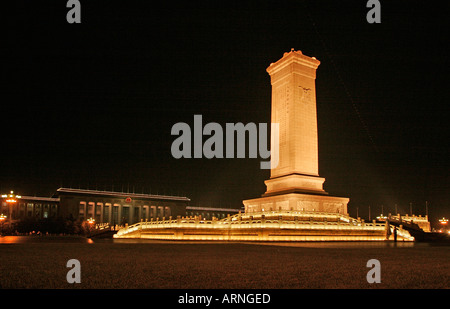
294	109
294	183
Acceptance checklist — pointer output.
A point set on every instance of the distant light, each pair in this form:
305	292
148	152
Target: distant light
12	197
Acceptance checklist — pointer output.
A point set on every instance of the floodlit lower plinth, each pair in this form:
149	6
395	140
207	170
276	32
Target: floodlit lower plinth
266	226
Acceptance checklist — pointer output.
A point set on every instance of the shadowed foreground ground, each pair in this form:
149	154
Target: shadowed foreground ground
221	266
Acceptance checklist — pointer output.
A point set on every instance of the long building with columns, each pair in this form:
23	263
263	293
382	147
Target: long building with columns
118	207
115	208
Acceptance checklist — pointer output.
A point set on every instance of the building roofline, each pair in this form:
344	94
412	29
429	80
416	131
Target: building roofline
122	194
39	198
212	209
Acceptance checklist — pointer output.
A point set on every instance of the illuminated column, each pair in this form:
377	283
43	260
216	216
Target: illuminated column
101	212
110	213
167	212
106	216
294	109
116	214
81	206
91	210
144	215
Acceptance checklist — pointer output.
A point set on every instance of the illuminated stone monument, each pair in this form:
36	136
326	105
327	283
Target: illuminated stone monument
294	183
295	207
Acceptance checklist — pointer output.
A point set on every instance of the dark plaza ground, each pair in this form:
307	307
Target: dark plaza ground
140	264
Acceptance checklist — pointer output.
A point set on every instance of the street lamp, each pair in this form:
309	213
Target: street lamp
10	199
443	222
2	219
381	217
91	222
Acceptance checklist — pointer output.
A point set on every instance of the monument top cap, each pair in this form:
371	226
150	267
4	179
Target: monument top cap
294	56
293	51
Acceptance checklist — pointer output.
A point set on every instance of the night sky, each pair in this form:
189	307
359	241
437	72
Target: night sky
91	105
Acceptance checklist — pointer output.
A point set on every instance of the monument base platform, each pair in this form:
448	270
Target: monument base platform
293	200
